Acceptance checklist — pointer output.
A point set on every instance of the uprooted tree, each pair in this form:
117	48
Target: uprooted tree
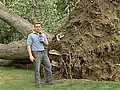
88	46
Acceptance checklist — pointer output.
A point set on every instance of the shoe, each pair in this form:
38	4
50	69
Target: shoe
49	83
38	85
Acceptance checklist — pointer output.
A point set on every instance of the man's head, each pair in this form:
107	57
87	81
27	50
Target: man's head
38	27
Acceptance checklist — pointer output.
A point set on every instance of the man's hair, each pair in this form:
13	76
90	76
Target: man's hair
37	23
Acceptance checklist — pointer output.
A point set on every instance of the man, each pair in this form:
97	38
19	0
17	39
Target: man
36	43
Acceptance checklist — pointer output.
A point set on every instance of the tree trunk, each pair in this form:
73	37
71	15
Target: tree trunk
17	22
15	50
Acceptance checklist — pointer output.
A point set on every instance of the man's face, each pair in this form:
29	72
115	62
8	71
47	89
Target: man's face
38	28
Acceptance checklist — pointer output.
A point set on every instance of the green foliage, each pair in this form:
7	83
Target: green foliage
66	6
21	7
48	15
8	34
46	12
62	5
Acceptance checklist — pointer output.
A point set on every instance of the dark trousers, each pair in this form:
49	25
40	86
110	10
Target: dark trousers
42	58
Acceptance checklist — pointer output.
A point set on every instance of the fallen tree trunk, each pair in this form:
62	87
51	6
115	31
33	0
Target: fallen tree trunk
17	22
5	63
15	50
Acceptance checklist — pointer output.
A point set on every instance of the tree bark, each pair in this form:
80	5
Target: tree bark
17	22
15	50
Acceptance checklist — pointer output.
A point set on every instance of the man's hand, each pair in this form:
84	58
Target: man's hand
30	53
32	58
42	39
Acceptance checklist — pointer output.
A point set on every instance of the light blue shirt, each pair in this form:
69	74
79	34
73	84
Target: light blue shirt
33	40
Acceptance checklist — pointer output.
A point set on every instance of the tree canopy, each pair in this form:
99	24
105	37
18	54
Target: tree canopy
51	13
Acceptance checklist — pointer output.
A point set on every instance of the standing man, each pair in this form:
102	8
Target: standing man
36	43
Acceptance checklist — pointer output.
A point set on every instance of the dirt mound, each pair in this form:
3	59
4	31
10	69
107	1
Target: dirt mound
88	46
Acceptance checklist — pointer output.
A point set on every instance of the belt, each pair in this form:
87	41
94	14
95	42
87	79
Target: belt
41	51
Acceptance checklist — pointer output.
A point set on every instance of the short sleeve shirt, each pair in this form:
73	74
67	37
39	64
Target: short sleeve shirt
33	40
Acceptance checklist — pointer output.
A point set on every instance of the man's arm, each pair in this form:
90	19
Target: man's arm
30	53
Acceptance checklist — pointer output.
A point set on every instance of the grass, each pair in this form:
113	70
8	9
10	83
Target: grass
23	79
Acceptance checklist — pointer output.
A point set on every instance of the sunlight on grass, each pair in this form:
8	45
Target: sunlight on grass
3	78
23	79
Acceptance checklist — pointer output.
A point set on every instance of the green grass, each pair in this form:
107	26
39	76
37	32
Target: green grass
23	79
